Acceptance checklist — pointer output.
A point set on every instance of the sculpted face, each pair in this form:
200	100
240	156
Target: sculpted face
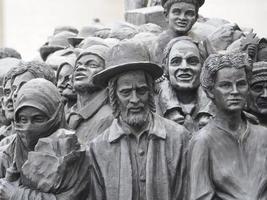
32	122
64	82
18	82
7	103
262	55
184	66
133	96
258	97
230	90
86	67
182	17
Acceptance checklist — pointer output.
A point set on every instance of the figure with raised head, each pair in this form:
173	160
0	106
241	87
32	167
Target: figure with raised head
226	157
181	15
92	113
141	155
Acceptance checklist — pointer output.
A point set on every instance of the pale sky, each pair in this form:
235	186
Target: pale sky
28	23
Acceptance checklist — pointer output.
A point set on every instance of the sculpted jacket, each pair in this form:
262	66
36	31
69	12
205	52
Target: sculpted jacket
111	170
228	167
91	120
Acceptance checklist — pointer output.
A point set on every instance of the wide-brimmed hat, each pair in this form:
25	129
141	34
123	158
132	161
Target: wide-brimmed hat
128	55
199	3
86	31
55	43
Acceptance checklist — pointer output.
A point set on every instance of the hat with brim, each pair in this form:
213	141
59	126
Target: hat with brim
104	76
75	41
128	55
45	51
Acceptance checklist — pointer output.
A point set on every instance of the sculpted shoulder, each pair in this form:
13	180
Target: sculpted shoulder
173	130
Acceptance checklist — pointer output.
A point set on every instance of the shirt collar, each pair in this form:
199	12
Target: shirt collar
92	107
155	128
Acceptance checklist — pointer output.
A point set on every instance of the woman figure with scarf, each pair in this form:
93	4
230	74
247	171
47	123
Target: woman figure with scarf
44	161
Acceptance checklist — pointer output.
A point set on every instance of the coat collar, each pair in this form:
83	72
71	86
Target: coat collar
155	128
92	107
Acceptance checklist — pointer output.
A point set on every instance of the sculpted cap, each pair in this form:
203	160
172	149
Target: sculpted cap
259	72
198	3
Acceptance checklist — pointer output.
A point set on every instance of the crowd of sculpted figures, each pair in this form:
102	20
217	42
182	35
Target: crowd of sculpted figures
127	112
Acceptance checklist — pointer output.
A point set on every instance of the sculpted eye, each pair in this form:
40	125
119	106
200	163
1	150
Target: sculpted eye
142	90
225	85
257	88
190	13
22	119
242	83
39	119
176	11
193	60
125	92
176	61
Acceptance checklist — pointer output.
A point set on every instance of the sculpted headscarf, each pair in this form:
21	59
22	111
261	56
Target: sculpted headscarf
43	95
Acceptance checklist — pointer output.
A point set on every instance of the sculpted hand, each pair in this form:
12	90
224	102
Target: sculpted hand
6	189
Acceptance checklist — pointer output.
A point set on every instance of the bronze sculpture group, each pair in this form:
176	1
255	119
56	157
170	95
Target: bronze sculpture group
134	113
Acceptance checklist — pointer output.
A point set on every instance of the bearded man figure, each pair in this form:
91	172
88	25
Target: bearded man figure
258	92
141	155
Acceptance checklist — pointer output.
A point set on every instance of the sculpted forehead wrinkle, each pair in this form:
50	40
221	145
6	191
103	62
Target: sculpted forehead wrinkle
184	48
131	77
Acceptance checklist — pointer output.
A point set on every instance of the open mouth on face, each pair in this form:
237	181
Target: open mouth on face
181	24
262	103
184	76
135	109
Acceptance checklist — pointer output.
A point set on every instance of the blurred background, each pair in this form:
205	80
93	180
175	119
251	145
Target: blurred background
26	24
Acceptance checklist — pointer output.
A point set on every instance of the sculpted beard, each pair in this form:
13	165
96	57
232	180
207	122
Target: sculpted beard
136	119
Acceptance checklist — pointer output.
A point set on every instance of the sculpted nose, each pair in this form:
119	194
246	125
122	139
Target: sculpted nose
264	95
234	90
134	98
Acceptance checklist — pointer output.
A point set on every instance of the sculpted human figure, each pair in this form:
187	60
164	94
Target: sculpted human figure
180	97
227	156
92	113
42	161
17	77
258	92
141	155
65	84
181	15
6	101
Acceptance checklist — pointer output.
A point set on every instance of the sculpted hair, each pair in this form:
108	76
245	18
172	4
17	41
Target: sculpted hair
37	69
169	3
168	48
113	99
216	62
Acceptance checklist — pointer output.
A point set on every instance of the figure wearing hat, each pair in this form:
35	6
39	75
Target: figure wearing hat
92	113
258	92
181	15
141	155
